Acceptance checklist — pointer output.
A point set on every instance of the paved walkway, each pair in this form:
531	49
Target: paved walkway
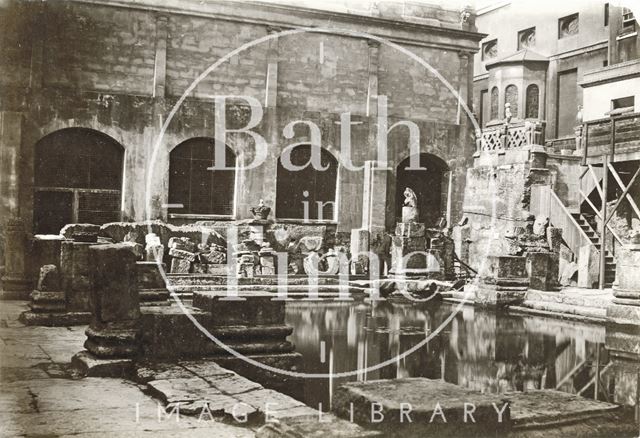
40	396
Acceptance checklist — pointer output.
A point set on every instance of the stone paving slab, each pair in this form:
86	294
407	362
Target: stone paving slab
213	391
421	407
40	396
549	407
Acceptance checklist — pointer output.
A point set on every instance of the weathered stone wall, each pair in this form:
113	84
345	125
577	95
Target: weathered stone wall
108	49
119	70
495	201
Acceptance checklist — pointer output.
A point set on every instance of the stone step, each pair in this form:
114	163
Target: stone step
152	295
47	306
563	308
55	319
591	300
291	289
48	296
247	327
208	279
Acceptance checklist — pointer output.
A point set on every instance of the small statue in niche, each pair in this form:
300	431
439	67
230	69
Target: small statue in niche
410	199
507	113
579	115
261	211
409	206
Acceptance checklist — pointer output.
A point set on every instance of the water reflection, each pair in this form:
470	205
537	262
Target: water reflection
478	349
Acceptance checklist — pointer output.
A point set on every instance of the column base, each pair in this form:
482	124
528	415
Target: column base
90	365
114	340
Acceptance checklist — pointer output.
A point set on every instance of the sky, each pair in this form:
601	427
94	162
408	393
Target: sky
525	5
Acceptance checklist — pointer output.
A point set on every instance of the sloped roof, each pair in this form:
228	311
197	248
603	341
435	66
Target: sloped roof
519	57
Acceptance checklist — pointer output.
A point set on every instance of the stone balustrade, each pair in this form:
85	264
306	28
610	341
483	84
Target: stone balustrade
501	137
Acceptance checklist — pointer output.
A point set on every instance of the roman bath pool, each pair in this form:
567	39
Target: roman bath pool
478	349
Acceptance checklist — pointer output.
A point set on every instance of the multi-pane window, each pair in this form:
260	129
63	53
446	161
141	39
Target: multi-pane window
532	104
77	178
196	185
511	98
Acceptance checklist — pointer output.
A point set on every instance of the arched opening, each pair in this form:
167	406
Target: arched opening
308	193
77	179
494	104
430	185
531	107
511	98
195	187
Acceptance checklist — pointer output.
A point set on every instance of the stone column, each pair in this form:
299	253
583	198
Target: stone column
15	282
625	307
113	336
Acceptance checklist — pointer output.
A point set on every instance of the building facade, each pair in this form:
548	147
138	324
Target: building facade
570	75
86	88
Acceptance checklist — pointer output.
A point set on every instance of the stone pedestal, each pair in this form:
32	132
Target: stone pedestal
256	230
44	249
113	336
15	282
152	288
74	269
502	281
542	268
409	253
625	307
48	305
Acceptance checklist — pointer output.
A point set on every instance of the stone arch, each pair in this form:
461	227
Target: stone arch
308	193
195	186
532	104
429	184
78	177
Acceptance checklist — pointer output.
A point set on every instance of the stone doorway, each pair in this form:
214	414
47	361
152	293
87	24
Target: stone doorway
430	185
77	179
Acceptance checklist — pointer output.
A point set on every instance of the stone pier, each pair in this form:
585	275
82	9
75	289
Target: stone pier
625	307
16	283
151	285
113	339
503	281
